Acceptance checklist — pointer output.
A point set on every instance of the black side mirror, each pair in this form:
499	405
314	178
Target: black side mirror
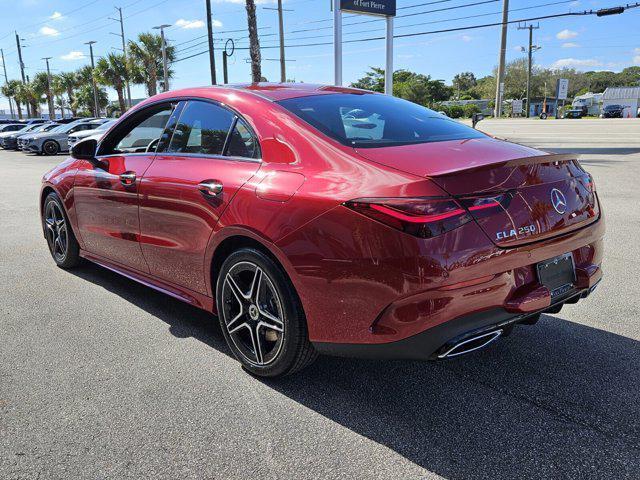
85	150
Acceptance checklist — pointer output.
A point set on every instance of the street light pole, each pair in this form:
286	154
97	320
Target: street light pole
501	60
52	110
96	106
165	67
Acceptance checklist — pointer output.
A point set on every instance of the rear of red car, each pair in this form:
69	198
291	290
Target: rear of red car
498	234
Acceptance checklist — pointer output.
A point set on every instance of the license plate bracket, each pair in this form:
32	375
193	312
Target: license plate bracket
558	274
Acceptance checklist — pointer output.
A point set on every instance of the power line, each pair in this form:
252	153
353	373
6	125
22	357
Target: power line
414	14
433	32
446	20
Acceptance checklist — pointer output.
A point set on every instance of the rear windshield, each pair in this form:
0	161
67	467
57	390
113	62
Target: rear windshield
371	120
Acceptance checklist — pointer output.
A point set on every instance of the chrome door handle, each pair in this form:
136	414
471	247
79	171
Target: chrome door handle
128	178
211	188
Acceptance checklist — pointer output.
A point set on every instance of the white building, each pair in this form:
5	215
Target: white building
590	101
628	97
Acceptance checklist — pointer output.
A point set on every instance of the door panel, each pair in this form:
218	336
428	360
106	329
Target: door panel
177	215
107	208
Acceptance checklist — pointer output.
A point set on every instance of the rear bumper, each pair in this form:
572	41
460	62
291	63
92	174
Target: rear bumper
433	343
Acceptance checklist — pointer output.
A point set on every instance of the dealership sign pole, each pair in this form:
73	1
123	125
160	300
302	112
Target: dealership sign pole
385	8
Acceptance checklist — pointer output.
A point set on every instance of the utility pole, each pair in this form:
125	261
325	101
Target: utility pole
212	57
124	51
501	60
283	68
20	57
96	106
337	43
6	80
165	67
52	109
532	48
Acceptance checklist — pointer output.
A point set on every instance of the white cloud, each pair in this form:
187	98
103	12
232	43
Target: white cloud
73	55
48	31
566	34
56	16
570	45
636	59
192	24
576	63
466	38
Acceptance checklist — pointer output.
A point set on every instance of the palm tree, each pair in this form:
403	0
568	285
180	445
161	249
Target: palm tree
10	90
112	72
41	87
69	81
58	89
33	93
146	55
83	100
22	97
254	42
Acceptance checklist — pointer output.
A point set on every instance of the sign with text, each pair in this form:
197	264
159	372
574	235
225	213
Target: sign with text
385	8
516	107
562	89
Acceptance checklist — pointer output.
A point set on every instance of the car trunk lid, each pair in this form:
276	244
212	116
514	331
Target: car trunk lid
516	194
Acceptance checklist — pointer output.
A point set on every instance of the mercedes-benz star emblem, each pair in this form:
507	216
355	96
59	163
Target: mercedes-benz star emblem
559	201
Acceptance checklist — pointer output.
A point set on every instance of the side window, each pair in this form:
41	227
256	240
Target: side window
139	133
202	128
150	129
242	143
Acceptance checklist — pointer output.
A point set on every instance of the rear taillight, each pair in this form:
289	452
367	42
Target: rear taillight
422	217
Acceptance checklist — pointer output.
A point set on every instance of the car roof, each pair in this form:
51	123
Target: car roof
269	91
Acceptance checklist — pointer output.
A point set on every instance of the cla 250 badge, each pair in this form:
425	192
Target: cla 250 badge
520	232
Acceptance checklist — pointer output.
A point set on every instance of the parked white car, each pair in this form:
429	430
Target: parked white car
97	133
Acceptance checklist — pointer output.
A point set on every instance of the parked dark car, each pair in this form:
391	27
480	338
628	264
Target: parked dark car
11	127
574	113
64	121
612	111
32	121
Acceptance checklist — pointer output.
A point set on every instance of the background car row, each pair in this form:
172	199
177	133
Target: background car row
50	138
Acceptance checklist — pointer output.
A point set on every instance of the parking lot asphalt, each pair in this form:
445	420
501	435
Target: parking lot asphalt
103	378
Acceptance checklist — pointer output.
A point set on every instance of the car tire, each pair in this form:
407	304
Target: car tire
50	147
261	315
61	240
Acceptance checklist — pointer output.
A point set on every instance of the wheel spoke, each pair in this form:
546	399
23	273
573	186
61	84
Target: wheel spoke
270	321
237	323
256	283
239	294
49	223
257	347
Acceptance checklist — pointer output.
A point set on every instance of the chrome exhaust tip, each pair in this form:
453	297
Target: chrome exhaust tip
470	344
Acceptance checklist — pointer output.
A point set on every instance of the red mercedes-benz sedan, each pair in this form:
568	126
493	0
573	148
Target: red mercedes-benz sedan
318	219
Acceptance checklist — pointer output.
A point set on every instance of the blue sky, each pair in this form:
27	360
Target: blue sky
59	28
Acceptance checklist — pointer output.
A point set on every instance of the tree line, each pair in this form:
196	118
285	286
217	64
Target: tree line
422	89
73	90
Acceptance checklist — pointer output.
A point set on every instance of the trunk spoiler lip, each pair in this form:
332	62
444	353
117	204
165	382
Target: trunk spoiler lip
516	162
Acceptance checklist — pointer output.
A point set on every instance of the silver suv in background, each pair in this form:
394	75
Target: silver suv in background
97	133
56	140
